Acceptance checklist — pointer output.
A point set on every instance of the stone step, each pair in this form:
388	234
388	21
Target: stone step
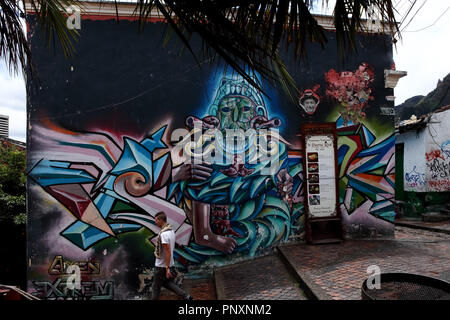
435	217
445	212
261	278
435	207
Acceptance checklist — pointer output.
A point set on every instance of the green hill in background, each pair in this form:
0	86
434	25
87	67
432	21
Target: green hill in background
421	105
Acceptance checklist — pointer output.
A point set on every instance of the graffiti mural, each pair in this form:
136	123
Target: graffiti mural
367	172
90	290
237	198
427	159
415	179
111	147
438	168
95	197
351	90
223	198
73	280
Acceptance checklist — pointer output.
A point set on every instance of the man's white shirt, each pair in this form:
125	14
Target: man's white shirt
167	237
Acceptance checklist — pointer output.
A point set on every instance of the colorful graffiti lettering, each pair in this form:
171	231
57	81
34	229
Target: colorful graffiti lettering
352	90
415	179
434	154
366	171
71	280
439	169
439	185
60	266
237	207
96	192
439	174
89	290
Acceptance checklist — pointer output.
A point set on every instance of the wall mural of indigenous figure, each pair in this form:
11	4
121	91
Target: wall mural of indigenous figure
366	163
242	201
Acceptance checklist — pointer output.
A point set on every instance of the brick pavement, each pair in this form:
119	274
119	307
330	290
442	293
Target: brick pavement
337	271
200	289
263	278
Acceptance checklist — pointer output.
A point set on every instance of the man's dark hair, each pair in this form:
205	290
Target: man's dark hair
161	215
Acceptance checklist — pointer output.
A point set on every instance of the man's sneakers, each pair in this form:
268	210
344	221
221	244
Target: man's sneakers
189	297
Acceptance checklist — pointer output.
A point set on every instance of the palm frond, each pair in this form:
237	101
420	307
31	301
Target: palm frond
245	34
14	48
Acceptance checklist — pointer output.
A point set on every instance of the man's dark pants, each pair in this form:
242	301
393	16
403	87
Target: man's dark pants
160	279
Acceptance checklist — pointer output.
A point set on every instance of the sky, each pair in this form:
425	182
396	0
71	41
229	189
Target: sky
423	52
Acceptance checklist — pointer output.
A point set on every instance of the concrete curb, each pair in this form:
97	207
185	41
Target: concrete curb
312	290
218	283
415	226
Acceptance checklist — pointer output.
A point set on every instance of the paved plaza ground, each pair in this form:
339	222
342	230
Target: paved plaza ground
332	271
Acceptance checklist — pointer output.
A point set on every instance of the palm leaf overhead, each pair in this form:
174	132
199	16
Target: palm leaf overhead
246	34
13	44
14	47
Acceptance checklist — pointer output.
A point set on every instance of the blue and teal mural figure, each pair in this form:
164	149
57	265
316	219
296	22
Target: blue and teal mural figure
241	199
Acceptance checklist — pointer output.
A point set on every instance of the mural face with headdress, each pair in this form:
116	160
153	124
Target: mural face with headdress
309	101
236	104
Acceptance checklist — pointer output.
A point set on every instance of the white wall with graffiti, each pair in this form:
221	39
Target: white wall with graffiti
427	154
437	156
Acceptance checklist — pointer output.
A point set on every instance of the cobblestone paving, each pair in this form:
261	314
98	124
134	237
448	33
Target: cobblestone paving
340	269
264	278
444	225
406	233
200	289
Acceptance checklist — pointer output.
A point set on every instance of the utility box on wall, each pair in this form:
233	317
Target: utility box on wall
111	131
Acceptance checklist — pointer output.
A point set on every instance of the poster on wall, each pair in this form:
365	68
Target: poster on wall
320	164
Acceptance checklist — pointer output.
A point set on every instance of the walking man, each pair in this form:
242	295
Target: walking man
165	244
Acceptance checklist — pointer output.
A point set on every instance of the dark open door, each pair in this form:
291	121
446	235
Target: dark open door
399	174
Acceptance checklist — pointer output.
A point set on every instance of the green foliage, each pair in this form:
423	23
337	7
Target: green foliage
12	185
21	218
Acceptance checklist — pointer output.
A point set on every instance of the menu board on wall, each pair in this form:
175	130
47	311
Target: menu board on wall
321	175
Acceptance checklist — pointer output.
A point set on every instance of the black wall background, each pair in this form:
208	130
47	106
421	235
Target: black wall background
125	80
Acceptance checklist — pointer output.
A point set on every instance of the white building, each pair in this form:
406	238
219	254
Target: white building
426	152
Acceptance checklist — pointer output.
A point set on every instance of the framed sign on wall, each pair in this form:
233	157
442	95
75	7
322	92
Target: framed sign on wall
320	176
